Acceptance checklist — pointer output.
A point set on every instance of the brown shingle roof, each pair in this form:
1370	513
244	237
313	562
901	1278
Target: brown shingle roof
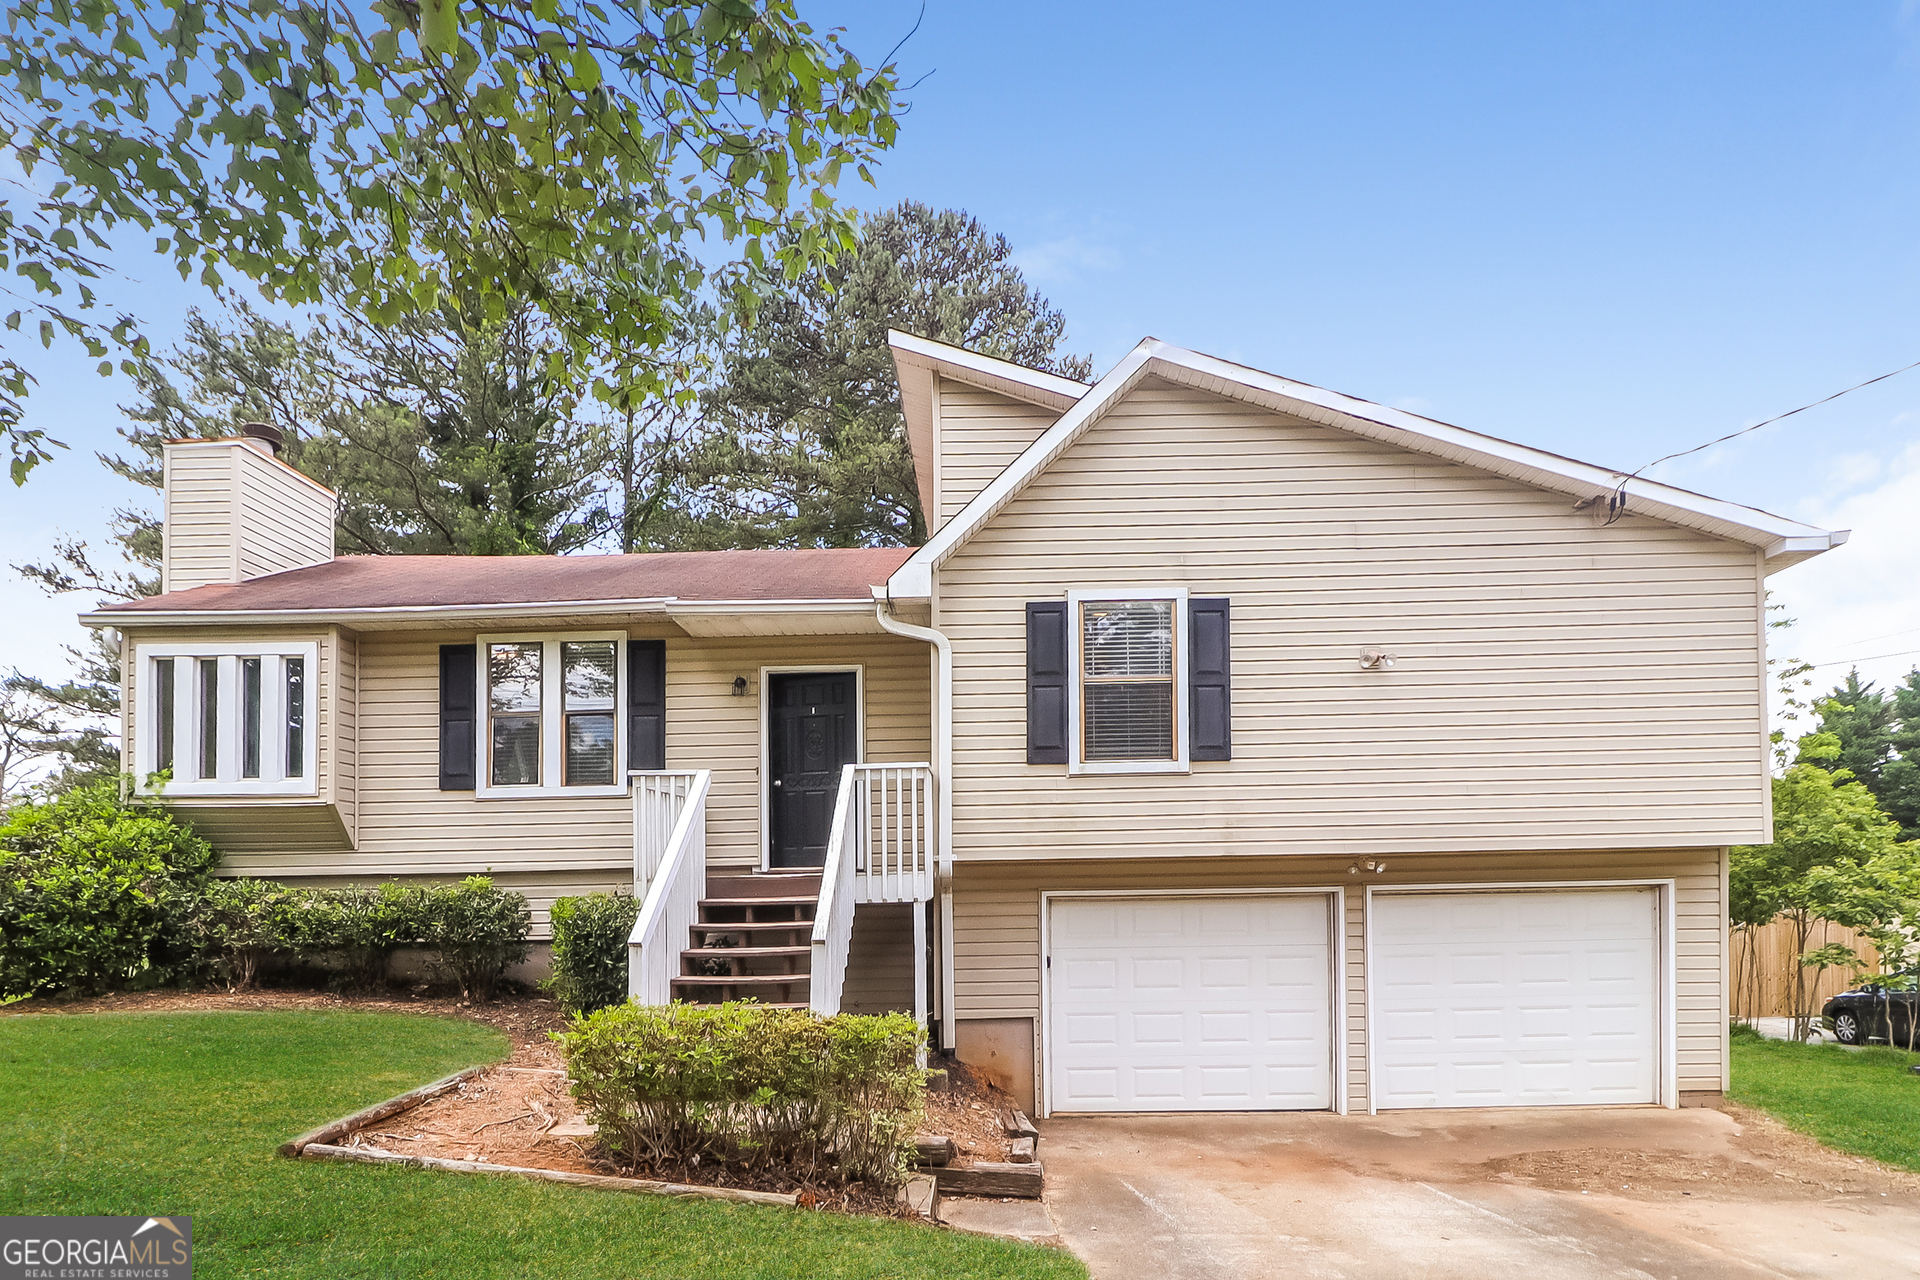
403	582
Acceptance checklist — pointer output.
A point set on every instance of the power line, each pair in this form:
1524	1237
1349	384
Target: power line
1617	505
1887	635
1842	662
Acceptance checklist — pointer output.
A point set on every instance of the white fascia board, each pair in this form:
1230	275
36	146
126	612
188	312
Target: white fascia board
670	606
914	579
1035	386
1501	457
353	616
1776	535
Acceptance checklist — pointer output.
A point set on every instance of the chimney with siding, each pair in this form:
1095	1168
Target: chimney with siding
233	510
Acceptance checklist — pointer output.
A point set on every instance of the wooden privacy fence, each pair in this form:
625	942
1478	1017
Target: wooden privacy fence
1765	960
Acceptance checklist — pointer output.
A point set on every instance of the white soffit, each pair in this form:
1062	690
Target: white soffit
1782	541
916	362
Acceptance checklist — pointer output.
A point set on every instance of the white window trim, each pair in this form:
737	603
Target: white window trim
1182	655
552	716
186	751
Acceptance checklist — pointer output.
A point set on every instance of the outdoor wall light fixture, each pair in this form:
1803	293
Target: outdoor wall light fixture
1375	660
739	686
1378	868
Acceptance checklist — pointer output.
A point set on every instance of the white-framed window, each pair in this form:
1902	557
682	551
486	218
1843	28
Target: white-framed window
235	718
554	714
1127	653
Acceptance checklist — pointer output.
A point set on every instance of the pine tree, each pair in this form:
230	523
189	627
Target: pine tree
810	447
1900	779
1862	718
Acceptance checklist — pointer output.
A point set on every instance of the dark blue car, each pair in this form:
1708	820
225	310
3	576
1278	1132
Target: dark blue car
1872	1012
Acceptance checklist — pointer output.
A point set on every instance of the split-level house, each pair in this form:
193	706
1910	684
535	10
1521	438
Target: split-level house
1230	744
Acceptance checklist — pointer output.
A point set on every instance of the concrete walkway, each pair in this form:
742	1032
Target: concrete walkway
1568	1193
1782	1029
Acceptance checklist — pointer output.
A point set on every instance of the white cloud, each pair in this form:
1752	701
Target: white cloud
1063	259
1860	603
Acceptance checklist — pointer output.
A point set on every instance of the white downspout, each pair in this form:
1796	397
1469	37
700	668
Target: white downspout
943	781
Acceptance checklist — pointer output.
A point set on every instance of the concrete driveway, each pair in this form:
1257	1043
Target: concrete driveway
1562	1193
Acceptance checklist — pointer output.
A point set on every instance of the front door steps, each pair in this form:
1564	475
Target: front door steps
754	939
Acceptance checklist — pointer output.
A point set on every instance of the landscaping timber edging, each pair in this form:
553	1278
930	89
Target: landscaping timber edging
1019	1181
378	1111
638	1186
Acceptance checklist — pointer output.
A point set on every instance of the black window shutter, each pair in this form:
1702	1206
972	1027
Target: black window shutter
1047	682
1209	683
646	704
457	694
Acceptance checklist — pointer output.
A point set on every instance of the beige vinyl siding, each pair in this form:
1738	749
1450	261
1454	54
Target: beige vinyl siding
232	513
286	520
1558	684
980	433
996	910
880	960
343	726
407	826
197	521
709	728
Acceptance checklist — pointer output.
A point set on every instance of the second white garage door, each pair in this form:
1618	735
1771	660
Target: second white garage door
1525	998
1189	1004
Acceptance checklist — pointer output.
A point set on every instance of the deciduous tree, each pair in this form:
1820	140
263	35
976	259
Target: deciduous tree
571	155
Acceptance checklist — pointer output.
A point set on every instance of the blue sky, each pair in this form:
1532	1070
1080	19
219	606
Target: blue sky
1608	230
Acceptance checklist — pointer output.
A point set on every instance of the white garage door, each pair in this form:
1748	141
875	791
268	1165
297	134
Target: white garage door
1189	1004
1503	999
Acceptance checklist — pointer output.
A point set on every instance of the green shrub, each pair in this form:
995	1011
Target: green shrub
590	950
238	923
479	932
360	927
750	1085
96	891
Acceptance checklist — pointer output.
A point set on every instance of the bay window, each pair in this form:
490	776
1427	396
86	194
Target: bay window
226	718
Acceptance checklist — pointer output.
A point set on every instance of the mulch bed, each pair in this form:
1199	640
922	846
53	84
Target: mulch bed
506	1115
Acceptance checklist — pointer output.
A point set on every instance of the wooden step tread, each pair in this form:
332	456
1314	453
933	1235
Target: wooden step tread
743	980
760	902
742	953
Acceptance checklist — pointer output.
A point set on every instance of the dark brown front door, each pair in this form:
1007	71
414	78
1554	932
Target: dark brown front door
811	721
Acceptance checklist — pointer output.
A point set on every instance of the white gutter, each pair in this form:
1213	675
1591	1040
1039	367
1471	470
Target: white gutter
406	613
943	770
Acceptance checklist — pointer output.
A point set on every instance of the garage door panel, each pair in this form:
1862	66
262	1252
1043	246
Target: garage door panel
1552	999
1217	1004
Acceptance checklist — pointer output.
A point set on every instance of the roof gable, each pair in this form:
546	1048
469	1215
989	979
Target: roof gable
1783	541
918	361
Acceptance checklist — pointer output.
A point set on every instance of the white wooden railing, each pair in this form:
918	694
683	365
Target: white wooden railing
659	797
833	917
671	905
880	848
894	824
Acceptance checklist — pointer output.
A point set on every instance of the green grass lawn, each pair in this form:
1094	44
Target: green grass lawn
1861	1101
180	1114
